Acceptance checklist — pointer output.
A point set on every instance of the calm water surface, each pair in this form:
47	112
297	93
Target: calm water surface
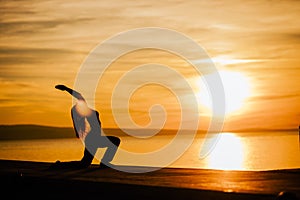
253	151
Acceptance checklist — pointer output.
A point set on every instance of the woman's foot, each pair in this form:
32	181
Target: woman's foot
104	166
69	165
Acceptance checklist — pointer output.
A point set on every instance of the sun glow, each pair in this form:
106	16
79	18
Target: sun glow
224	60
228	153
236	89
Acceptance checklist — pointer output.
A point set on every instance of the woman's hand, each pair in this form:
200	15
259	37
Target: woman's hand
74	93
61	87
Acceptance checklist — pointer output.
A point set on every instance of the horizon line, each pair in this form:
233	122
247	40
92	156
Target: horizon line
201	130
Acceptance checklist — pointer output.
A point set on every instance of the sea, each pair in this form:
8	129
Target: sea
254	151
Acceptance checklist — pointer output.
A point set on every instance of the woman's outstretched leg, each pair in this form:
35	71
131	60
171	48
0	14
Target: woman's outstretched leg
80	164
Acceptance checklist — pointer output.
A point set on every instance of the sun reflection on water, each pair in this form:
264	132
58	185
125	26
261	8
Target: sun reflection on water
228	153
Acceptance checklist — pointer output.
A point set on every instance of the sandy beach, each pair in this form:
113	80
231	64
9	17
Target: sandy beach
22	179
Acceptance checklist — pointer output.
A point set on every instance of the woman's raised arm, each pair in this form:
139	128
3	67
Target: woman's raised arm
74	93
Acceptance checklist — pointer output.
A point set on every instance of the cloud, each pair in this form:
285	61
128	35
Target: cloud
20	55
292	36
36	26
274	97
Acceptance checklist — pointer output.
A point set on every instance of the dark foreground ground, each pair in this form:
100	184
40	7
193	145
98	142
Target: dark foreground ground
34	180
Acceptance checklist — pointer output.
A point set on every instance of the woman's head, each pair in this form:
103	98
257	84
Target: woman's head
81	108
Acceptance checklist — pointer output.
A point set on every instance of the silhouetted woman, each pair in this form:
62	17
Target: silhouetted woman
87	126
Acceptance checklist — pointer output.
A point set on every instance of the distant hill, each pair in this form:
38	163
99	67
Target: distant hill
22	132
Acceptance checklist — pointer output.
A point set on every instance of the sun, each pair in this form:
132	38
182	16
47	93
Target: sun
236	89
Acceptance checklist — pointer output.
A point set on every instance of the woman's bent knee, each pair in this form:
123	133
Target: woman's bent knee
115	140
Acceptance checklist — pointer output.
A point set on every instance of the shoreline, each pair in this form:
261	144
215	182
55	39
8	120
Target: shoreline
33	179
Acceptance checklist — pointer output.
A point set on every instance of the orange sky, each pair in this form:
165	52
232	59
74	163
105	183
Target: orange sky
44	43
